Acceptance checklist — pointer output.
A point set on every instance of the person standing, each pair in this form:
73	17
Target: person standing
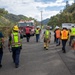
27	31
15	43
1	47
64	38
47	36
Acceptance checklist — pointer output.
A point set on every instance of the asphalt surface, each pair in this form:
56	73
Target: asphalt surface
34	60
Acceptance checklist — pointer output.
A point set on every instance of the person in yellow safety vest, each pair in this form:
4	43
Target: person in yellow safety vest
47	36
15	45
64	38
37	32
72	34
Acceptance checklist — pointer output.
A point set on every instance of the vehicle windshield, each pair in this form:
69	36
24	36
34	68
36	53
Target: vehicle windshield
30	24
21	24
25	24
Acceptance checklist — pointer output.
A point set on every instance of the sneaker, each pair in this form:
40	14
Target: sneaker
0	65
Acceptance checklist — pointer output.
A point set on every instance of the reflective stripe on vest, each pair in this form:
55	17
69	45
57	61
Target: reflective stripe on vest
47	34
16	39
37	31
64	34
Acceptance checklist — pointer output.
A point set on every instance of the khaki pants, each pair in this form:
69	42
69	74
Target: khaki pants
46	42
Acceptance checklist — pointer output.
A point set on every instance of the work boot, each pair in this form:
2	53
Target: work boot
64	51
0	65
46	48
16	66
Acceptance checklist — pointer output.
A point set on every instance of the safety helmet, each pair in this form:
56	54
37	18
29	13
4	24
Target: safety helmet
72	25
56	27
27	24
16	28
64	27
47	27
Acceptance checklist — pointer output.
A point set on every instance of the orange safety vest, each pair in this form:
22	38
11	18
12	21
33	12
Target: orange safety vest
64	34
57	33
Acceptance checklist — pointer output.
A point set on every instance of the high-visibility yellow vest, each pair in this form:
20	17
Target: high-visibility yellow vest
64	34
37	31
16	42
72	31
47	34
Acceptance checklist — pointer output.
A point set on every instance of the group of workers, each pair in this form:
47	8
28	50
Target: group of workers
15	40
64	35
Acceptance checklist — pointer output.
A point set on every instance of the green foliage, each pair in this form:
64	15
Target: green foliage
67	16
7	20
3	11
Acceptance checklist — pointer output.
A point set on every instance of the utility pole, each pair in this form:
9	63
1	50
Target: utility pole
41	19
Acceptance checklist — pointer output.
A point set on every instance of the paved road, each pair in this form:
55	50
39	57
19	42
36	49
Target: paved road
34	60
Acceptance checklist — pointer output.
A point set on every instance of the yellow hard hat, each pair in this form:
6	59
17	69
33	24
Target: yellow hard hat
15	28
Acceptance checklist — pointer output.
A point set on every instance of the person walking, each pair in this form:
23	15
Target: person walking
64	38
57	32
15	43
72	35
37	32
54	36
1	47
27	31
47	36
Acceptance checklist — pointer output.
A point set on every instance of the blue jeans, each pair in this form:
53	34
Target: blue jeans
37	37
16	54
57	41
1	54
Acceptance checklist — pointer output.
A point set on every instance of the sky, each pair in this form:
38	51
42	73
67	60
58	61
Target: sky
34	8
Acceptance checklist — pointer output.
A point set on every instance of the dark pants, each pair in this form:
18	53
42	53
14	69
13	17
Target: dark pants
64	44
27	37
71	38
16	55
57	41
54	37
1	54
37	37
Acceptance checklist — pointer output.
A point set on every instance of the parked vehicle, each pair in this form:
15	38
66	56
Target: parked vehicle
23	23
67	25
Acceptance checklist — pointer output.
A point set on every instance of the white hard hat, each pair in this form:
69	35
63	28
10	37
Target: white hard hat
27	24
56	27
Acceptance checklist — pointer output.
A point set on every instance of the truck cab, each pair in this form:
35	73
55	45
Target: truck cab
22	25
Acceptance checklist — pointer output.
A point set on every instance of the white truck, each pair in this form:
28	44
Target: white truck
68	25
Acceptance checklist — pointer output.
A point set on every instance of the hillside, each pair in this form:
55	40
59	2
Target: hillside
7	20
44	22
66	16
